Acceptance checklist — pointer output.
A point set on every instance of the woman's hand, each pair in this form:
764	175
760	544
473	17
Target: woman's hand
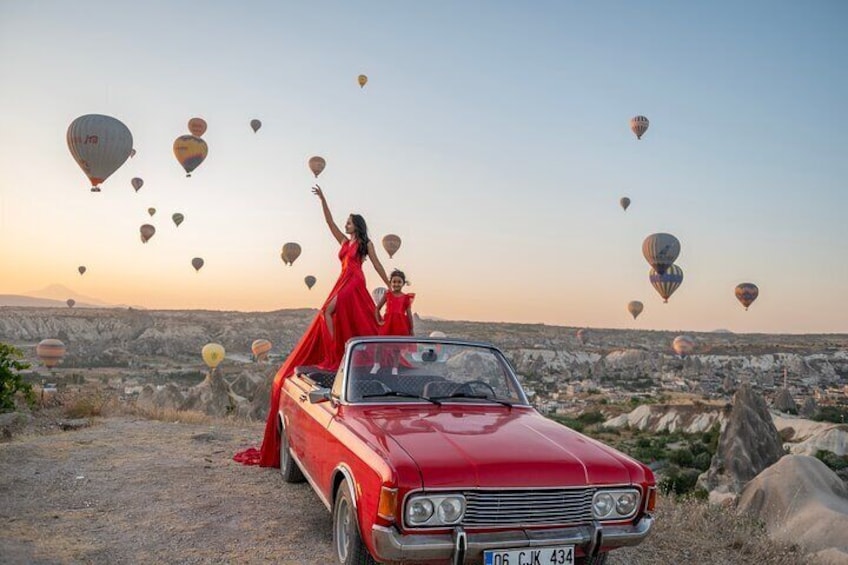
316	190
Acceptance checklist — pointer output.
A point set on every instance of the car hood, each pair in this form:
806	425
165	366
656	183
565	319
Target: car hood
501	447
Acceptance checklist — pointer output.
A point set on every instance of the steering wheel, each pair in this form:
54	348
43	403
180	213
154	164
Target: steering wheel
468	385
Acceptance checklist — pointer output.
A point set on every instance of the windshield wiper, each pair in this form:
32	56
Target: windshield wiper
402	395
475	396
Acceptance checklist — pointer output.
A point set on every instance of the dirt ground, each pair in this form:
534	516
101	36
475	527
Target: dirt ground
134	490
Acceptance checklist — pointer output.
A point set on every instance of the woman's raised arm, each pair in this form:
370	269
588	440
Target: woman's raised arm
377	265
337	233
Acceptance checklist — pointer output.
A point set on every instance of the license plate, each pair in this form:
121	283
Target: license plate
554	555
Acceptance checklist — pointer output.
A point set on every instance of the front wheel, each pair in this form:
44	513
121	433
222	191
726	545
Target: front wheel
288	467
350	549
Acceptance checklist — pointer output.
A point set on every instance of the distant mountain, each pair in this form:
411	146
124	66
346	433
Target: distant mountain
62	293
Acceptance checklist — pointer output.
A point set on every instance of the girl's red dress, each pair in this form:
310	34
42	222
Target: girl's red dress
353	317
396	322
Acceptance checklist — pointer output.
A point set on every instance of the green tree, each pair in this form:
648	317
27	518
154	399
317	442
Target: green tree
11	382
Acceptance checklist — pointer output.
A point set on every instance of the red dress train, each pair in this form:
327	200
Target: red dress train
353	317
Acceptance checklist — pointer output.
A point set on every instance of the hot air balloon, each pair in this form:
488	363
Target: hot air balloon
70	302
137	183
81	269
639	125
391	243
362	80
100	145
178	219
213	354
582	336
378	293
310	281
260	349
197	127
190	151
132	153
151	211
291	251
255	124
625	203
635	308
147	232
197	263
683	345
669	282
316	165
50	352
660	250
746	293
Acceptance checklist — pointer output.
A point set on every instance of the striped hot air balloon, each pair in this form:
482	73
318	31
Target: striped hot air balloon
291	251
50	352
260	349
746	293
667	283
178	219
100	145
391	243
639	125
378	293
190	151
660	250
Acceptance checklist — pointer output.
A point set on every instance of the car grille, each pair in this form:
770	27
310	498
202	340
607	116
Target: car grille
525	508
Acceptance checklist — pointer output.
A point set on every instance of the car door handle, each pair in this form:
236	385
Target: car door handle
302	398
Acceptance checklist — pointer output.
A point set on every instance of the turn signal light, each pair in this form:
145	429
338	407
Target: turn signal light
652	499
387	504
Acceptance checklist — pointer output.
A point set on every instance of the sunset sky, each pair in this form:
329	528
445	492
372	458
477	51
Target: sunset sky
492	137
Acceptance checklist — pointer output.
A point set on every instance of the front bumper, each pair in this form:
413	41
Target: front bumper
460	547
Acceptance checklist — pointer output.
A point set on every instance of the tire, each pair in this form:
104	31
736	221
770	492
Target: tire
600	559
347	542
288	467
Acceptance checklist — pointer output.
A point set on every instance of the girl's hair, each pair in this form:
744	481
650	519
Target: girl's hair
360	230
400	274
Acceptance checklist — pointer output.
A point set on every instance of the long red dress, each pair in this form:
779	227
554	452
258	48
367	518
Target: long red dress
395	320
353	317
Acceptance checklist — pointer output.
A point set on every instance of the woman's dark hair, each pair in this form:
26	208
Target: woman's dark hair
398	273
360	230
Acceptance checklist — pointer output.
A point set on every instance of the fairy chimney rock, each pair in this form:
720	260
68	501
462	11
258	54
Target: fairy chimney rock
784	402
748	444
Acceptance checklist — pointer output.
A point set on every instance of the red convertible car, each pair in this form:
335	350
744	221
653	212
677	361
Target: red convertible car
427	451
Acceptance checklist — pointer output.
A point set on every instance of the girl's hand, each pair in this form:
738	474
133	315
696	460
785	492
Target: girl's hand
316	190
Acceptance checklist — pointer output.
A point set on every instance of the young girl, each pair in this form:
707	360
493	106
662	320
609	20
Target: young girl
398	316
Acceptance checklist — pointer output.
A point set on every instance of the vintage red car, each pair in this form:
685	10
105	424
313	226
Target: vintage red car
428	451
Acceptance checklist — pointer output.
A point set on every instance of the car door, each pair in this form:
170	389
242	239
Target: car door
294	389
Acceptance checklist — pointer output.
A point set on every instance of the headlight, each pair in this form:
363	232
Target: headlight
419	511
615	504
435	510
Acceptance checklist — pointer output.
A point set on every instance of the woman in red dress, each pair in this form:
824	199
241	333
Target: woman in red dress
398	317
348	312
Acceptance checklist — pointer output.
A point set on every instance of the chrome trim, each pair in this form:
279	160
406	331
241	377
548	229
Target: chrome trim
348	475
460	547
391	545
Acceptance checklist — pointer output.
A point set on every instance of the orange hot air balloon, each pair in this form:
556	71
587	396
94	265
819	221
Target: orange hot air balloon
197	263
50	352
291	251
639	125
70	302
391	243
151	211
178	219
746	293
147	232
310	281
362	80
197	127
137	183
260	349
255	125
100	145
81	269
316	165
190	151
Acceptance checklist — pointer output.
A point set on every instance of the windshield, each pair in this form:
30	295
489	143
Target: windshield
424	371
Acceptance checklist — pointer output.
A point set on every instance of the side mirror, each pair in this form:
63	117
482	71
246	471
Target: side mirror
320	395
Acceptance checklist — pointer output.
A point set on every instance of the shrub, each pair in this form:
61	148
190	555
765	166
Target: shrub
702	461
11	381
682	457
832	460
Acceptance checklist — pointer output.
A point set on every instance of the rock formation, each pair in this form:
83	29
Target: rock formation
748	444
801	502
808	409
213	397
784	402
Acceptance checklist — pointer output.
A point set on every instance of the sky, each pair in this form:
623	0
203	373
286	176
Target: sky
493	137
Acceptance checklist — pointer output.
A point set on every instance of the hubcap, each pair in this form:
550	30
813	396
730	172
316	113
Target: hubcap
343	524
